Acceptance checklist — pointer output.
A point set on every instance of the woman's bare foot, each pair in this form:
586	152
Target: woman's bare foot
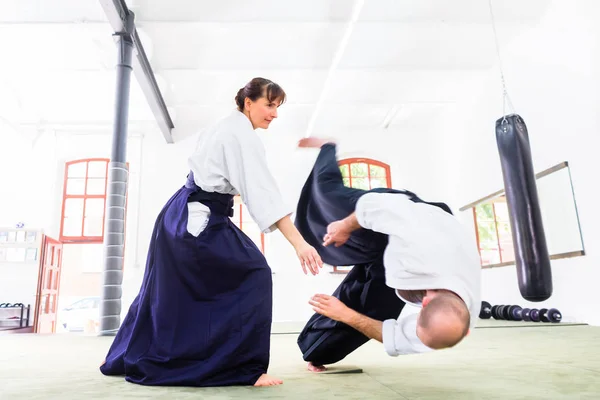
316	368
266	380
313	142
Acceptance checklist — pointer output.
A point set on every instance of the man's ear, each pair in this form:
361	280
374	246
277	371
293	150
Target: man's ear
425	301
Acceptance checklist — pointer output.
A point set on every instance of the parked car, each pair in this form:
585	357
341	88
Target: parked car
75	317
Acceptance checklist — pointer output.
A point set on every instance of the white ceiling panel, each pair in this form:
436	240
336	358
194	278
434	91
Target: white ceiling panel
36	11
460	11
242	11
243	45
424	45
38	47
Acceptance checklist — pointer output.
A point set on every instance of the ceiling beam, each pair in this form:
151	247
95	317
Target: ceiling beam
358	4
116	11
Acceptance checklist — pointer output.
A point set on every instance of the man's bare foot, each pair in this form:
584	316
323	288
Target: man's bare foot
266	380
103	362
313	142
316	368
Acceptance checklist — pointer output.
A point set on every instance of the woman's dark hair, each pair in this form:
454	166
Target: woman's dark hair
257	88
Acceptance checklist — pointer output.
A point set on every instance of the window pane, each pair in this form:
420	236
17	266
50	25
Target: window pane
506	242
52	305
55	281
76	186
485	212
508	253
94	207
344	169
346	182
358	169
72	227
378	183
377	171
360	183
46	303
92	226
77	170
96	186
504	231
97	169
487	235
501	211
74	209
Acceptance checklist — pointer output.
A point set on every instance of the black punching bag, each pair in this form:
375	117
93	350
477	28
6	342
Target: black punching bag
531	252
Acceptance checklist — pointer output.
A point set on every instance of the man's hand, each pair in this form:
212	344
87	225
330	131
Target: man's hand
337	233
333	308
309	258
330	307
313	142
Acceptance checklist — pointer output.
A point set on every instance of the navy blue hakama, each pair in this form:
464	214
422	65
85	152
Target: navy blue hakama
203	314
323	200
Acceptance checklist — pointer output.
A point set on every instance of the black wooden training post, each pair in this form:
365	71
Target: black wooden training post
531	252
114	225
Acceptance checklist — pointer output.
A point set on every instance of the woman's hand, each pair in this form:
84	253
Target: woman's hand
309	258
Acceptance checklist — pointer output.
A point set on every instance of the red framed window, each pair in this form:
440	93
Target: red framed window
494	237
84	201
363	173
242	219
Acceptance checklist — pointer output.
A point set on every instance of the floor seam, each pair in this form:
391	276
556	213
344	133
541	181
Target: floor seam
387	387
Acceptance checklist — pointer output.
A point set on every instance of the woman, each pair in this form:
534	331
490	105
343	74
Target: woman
203	314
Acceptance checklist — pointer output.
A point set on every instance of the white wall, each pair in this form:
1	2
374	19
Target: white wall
553	79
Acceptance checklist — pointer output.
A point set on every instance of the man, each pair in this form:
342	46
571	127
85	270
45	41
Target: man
404	250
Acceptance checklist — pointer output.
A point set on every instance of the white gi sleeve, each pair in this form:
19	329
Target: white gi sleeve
247	171
384	212
400	336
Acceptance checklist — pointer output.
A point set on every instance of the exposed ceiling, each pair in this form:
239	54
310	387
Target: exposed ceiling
398	65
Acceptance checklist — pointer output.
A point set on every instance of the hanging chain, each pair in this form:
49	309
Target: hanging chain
505	96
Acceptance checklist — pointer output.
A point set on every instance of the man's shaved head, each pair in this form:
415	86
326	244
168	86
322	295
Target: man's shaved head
444	321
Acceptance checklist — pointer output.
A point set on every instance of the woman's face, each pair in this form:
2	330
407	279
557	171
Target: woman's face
261	112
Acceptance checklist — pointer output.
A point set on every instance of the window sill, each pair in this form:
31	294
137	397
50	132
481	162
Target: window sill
570	254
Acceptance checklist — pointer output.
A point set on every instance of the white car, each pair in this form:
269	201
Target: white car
76	317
